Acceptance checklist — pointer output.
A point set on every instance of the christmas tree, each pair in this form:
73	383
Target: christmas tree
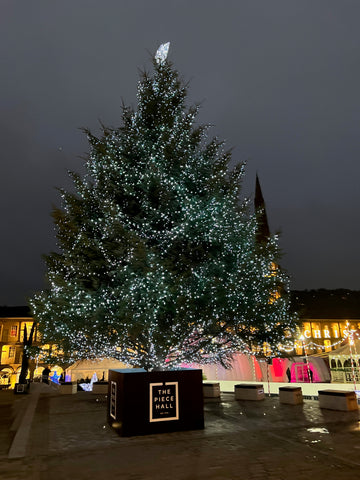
158	261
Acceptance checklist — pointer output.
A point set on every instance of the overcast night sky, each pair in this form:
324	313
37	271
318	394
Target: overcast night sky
279	81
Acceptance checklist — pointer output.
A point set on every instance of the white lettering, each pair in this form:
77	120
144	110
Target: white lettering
317	334
326	334
165	400
164	406
307	333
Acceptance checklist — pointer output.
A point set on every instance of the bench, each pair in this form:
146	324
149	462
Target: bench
338	400
290	395
68	388
211	390
100	388
249	391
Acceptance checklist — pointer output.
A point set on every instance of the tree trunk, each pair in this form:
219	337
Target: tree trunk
25	358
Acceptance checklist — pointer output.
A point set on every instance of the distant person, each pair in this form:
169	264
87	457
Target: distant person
45	375
288	373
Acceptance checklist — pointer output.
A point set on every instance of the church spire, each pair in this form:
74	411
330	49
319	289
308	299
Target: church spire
263	231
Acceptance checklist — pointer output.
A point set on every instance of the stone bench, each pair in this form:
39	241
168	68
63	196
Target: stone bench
211	390
100	388
338	400
68	388
290	395
249	391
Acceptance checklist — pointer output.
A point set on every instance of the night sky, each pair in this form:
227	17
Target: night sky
278	80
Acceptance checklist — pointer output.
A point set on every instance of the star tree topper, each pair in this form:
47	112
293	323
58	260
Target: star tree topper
162	53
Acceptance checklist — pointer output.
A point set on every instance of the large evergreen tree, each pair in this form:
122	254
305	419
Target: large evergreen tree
158	259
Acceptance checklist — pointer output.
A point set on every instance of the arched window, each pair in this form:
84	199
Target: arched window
339	364
333	363
347	363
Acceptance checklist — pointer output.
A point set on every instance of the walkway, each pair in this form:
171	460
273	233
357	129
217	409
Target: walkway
70	439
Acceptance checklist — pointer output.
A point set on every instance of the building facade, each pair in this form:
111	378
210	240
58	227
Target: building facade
328	319
12	327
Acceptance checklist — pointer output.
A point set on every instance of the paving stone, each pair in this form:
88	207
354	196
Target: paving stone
69	436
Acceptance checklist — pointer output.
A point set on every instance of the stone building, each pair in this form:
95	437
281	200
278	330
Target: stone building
328	318
12	325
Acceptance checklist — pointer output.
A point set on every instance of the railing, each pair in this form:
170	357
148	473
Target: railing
349	375
344	375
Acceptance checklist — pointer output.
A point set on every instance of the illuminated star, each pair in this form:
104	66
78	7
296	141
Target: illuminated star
162	53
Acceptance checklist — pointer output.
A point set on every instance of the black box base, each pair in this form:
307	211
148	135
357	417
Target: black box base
22	388
143	403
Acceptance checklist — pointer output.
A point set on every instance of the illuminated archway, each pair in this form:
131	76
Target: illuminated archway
5	375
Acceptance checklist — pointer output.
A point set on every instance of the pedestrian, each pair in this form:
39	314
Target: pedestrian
45	375
288	373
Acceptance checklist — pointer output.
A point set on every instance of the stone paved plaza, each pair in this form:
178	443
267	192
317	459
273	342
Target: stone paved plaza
69	438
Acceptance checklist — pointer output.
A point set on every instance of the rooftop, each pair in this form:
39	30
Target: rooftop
329	304
11	312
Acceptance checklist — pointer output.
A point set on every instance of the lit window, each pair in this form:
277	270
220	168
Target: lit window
28	330
11	352
273	297
327	345
13	331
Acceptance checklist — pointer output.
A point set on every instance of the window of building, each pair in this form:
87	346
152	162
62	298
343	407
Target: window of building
316	330
327	345
37	336
343	328
335	330
11	352
326	332
306	329
274	296
13	331
28	330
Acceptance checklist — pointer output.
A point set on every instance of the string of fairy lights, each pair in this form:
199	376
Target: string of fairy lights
259	351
